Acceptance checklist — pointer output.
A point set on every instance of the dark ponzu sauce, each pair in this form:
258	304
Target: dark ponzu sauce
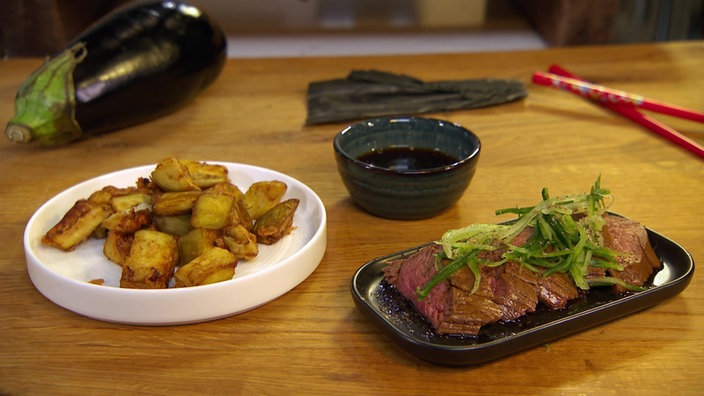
407	158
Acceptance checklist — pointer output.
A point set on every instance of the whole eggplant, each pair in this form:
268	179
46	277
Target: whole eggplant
139	62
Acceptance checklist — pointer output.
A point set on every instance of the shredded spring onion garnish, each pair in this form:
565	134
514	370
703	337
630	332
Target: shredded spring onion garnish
567	238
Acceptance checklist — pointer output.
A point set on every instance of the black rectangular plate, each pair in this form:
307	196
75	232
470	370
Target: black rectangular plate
398	319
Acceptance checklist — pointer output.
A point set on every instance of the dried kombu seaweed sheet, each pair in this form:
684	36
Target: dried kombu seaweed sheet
373	93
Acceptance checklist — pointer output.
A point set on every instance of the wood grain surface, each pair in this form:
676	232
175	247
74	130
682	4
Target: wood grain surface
313	340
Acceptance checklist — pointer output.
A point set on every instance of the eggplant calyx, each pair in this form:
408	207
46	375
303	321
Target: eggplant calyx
45	105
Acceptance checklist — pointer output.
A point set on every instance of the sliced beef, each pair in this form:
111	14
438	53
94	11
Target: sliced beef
500	288
451	310
414	272
556	290
509	291
639	260
451	307
467	312
511	288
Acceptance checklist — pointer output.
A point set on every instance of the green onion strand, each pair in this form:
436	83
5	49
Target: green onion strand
567	238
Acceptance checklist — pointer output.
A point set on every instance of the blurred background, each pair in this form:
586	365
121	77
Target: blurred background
293	28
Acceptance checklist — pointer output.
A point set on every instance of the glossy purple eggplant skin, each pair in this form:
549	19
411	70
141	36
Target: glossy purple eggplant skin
143	61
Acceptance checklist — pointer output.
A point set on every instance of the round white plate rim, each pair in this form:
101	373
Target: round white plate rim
183	305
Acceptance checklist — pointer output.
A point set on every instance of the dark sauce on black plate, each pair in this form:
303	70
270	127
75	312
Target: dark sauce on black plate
407	158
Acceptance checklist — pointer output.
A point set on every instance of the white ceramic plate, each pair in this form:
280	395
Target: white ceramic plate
63	277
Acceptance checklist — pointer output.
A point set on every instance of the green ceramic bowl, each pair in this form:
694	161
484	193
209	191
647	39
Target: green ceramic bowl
406	168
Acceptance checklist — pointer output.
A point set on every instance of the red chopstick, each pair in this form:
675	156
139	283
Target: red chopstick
629	111
608	95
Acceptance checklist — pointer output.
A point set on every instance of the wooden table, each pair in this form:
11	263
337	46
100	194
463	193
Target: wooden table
313	340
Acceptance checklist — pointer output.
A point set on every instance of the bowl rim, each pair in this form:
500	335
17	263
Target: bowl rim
426	171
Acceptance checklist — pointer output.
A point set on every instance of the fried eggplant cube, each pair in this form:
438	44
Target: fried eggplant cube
117	246
175	203
206	175
276	223
130	220
196	242
175	225
262	196
215	265
105	194
228	188
212	210
172	175
241	242
124	202
151	261
240	216
76	225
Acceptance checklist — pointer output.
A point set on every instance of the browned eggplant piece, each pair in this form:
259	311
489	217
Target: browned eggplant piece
276	223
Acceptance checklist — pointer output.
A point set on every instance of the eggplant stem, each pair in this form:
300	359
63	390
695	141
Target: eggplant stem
18	133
